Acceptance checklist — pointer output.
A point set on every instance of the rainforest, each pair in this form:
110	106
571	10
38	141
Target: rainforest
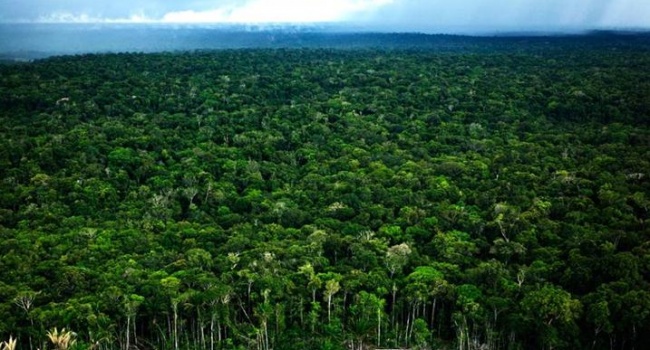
465	193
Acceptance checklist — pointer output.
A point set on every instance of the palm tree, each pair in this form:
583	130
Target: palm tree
63	340
8	345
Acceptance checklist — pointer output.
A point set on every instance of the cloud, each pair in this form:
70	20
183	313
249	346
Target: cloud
398	15
68	17
280	11
253	11
466	15
190	16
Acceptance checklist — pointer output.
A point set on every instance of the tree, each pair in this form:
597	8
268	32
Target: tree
397	257
332	287
62	340
367	312
131	304
25	301
455	247
427	282
171	287
548	306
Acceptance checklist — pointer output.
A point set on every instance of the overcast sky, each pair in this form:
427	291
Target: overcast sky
390	14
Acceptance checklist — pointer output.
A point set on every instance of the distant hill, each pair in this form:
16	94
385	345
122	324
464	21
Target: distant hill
24	42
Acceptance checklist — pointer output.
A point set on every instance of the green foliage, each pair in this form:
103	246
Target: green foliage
492	196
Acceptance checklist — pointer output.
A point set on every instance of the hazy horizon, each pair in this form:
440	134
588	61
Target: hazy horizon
432	16
76	26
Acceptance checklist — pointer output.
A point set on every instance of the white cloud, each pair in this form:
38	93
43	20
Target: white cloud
253	11
280	11
69	17
426	15
191	16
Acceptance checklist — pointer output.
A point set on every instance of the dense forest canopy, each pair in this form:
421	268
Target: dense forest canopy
476	197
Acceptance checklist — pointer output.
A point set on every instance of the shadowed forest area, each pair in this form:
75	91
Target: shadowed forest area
484	196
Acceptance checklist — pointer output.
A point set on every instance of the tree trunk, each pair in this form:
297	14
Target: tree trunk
378	327
302	321
175	307
393	308
433	311
266	336
212	331
329	308
169	327
135	334
31	347
201	332
128	331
